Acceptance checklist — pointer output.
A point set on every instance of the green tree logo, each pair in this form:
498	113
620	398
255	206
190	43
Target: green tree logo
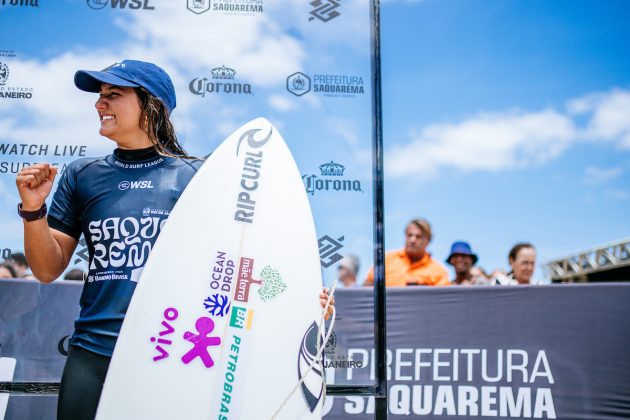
272	286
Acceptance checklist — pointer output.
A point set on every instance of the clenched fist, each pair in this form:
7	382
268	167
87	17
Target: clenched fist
34	184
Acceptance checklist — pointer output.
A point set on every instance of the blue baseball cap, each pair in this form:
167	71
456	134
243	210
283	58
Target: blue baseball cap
461	248
130	73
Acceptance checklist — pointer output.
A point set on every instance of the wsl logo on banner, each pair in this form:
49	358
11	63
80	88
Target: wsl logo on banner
32	3
331	85
324	10
12	92
121	4
331	179
222	82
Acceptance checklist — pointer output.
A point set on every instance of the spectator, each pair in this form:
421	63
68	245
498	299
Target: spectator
463	260
413	265
7	271
479	275
75	274
522	259
21	266
347	271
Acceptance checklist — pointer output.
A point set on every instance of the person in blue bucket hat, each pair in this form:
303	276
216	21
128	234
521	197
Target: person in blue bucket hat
463	259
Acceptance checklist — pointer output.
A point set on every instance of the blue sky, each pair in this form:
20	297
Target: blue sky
504	120
511	120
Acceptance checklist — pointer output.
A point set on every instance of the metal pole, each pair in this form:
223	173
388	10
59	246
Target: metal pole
380	326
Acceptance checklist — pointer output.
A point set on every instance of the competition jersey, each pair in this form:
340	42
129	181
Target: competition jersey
120	206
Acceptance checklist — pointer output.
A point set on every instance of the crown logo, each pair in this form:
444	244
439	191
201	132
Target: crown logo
223	73
332	169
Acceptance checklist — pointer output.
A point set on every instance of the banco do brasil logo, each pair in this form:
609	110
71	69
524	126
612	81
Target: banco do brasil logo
120	4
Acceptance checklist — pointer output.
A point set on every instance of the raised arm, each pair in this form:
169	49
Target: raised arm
47	250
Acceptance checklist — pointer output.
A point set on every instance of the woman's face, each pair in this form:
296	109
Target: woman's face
523	265
119	112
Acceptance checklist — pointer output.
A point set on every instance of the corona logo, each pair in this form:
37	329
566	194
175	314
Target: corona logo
332	169
223	73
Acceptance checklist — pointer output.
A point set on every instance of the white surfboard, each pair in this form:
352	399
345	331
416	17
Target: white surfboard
223	323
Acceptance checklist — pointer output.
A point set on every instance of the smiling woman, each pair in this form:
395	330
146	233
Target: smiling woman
118	202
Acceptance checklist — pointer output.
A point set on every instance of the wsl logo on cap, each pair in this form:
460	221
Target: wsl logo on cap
121	4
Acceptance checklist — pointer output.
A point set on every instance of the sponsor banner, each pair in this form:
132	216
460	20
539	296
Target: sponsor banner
222	81
328	85
484	352
121	4
16	156
9	90
24	3
331	178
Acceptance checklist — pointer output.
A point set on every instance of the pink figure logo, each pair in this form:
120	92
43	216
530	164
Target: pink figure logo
201	342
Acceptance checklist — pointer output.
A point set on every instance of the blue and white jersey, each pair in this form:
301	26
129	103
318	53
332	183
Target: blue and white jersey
120	207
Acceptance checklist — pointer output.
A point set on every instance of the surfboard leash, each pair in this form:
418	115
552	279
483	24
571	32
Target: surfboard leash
318	361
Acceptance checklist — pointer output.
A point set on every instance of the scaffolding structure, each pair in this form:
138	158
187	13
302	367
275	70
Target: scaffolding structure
589	265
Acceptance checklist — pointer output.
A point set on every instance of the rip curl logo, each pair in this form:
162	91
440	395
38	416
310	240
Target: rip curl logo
324	10
201	342
271	283
246	205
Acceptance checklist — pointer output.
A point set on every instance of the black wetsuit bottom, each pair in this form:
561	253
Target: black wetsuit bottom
81	384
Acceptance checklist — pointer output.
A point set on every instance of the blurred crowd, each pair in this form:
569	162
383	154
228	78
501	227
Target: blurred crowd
16	267
413	265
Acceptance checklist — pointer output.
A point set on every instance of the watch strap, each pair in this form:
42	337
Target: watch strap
29	216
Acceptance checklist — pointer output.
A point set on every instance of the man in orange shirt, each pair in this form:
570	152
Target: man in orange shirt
412	265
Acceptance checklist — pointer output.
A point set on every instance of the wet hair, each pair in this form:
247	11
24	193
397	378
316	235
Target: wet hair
155	120
516	248
423	225
9	266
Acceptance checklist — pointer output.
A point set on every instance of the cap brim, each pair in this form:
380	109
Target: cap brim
91	81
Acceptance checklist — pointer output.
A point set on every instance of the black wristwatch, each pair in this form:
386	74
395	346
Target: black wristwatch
29	216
